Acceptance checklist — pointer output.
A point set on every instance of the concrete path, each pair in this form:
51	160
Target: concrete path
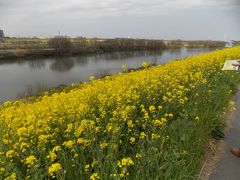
228	167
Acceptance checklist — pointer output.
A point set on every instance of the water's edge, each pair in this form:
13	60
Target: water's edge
19	78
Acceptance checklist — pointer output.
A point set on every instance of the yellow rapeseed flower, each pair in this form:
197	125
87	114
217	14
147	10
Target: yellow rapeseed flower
144	64
54	168
152	109
10	154
94	176
143	135
30	160
132	140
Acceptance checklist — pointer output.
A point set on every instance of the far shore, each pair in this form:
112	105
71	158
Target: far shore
18	48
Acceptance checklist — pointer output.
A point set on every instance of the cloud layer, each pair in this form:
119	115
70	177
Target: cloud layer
28	17
93	8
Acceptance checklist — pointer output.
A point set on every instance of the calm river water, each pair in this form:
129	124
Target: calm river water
18	76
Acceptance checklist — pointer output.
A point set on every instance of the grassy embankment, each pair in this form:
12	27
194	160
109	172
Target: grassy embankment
13	48
148	124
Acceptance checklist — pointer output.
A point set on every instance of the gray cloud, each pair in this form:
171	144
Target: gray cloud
45	17
88	8
226	2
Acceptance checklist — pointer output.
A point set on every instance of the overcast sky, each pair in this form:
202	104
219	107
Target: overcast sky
157	19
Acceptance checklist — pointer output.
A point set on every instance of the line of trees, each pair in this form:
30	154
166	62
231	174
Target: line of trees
64	45
129	44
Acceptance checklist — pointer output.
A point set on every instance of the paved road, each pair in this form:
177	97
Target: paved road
228	167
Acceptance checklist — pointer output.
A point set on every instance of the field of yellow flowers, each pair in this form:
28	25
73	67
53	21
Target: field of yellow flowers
147	124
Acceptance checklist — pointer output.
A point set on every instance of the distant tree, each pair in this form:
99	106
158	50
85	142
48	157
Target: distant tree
61	44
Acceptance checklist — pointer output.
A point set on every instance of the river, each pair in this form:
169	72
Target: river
19	77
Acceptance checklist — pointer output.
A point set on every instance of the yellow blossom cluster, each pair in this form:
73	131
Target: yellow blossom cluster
30	160
77	132
54	168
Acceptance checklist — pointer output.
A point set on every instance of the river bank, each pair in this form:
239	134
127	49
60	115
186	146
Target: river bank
21	76
17	48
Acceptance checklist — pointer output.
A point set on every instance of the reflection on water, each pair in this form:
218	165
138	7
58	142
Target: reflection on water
62	65
19	76
36	64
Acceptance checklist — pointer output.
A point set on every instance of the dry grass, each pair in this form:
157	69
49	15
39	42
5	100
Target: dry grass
216	148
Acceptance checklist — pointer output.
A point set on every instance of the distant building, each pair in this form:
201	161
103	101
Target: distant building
1	35
229	44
